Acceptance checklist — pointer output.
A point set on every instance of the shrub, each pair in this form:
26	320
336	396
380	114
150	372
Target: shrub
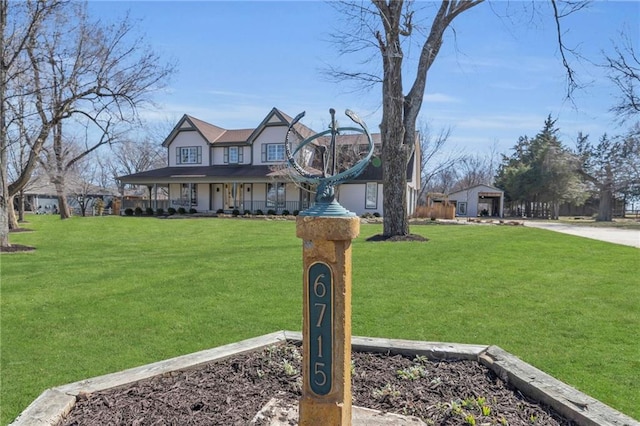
366	215
149	211
235	213
159	211
247	212
181	210
285	212
128	212
376	214
271	212
296	212
193	211
259	212
138	211
171	211
219	211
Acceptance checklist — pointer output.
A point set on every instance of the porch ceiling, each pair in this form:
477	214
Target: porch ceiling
168	174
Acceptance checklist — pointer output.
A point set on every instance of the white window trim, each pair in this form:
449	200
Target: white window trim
371	195
192	155
234	156
275	152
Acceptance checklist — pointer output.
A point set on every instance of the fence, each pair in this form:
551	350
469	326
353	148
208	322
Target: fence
436	211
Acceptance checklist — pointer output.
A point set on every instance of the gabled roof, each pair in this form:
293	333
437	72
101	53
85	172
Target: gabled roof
209	132
215	135
492	188
279	118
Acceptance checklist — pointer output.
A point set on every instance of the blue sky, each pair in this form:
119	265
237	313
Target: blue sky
496	78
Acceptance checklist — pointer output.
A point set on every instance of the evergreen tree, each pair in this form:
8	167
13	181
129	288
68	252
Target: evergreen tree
541	174
612	166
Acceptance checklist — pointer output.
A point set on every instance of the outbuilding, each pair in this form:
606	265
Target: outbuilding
478	200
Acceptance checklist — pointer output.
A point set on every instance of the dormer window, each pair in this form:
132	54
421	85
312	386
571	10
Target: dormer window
189	155
272	152
233	155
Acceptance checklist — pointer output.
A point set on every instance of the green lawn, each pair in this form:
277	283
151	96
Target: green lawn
103	294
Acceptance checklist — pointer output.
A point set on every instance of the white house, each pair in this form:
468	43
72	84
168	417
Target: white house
211	169
479	200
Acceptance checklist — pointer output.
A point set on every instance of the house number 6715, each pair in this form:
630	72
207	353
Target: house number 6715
320	323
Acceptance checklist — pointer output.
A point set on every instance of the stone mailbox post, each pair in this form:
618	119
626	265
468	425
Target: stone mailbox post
327	230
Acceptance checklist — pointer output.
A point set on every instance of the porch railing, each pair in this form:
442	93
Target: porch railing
252	206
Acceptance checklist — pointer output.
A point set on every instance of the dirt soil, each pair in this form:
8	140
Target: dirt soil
232	391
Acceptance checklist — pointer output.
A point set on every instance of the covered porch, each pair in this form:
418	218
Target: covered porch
214	197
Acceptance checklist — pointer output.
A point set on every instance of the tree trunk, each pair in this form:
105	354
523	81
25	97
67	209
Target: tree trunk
605	206
63	204
21	206
395	219
11	214
555	215
4	217
4	145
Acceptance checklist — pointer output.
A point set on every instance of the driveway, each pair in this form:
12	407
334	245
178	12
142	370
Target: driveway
627	237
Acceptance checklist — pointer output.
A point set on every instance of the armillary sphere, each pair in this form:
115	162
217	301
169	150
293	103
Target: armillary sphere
329	178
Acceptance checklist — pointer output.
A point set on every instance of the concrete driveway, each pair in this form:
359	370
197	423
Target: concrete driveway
627	237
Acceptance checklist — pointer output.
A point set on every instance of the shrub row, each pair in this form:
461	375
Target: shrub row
370	215
158	212
258	212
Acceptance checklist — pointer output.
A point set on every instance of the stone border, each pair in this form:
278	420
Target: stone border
53	404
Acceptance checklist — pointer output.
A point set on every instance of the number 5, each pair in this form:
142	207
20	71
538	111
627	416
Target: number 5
317	371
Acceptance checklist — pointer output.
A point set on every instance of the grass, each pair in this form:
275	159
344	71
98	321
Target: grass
103	294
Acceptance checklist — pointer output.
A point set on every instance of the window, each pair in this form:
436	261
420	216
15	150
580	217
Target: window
371	195
189	194
188	155
233	155
272	152
275	194
462	208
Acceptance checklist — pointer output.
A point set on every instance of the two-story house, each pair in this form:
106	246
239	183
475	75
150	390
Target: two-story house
211	169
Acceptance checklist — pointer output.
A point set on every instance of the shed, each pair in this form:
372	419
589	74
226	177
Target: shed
478	200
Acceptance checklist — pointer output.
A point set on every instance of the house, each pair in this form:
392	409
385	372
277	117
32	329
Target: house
212	169
478	200
40	196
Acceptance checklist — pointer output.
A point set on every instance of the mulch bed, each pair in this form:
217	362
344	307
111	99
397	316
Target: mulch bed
232	391
17	248
396	238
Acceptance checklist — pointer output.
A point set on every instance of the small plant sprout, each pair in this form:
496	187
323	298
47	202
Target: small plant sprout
456	408
469	403
412	373
289	369
486	410
504	421
532	418
470	420
421	359
260	373
387	392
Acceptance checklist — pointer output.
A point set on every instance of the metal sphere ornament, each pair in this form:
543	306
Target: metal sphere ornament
329	178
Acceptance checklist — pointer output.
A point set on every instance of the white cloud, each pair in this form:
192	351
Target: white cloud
440	98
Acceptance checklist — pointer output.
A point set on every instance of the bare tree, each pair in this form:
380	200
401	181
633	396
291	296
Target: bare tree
624	68
16	30
136	156
83	71
389	24
434	161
